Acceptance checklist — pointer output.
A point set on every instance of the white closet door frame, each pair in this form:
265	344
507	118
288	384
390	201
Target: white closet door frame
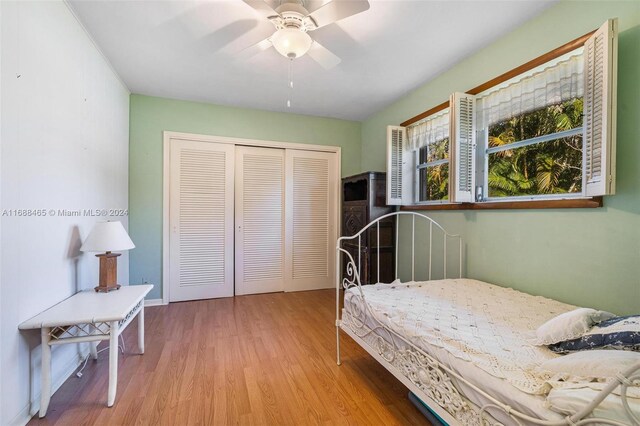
309	278
168	136
259	220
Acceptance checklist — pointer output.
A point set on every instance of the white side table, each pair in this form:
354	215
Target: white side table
88	316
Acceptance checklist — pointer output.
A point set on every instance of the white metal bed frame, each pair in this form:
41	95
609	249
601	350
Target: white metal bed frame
433	382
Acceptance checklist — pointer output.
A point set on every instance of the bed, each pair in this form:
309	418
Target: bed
462	346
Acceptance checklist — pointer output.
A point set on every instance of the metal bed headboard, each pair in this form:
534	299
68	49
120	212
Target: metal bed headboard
353	268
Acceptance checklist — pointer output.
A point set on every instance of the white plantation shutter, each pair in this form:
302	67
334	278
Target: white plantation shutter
395	141
462	148
400	168
600	70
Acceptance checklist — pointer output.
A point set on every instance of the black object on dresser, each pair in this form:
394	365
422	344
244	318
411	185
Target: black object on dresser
364	200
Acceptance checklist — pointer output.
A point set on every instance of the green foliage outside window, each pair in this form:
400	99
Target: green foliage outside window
552	167
434	180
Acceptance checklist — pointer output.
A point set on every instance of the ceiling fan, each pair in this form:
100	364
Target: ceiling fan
293	22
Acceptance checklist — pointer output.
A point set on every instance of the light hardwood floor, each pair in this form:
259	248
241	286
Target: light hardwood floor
251	360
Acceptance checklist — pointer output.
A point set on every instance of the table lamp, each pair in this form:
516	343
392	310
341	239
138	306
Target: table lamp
107	237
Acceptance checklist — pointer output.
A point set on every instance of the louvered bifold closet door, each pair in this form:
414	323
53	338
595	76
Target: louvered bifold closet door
201	220
600	87
312	218
259	220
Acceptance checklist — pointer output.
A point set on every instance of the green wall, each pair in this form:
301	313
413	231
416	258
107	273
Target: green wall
588	257
151	116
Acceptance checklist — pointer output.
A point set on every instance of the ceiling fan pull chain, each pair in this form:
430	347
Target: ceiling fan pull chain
290	82
291	73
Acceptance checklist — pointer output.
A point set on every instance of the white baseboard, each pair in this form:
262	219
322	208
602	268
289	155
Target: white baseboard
153	302
58	379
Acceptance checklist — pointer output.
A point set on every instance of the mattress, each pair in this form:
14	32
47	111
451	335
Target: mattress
480	331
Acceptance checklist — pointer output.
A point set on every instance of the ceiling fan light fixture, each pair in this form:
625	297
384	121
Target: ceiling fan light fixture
291	42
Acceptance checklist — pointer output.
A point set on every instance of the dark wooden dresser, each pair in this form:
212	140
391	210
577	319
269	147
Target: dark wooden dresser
364	200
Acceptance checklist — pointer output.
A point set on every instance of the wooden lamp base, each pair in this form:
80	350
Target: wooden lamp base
108	272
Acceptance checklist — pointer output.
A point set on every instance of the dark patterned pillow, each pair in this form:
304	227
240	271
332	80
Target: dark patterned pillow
615	333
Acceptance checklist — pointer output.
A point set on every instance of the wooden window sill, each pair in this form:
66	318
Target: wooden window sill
579	203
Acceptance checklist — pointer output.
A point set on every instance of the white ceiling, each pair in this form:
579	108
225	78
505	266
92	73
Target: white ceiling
189	50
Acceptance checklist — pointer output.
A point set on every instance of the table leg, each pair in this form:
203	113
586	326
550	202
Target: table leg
141	329
113	363
45	382
93	346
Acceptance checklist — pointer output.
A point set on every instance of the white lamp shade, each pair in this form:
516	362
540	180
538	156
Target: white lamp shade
107	236
291	42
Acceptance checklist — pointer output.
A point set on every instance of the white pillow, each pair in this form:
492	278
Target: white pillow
568	326
589	365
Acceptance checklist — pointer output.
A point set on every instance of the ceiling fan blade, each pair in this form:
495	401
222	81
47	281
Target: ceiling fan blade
336	10
323	56
255	49
262	7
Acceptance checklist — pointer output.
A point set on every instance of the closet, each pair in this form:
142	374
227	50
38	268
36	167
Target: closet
246	219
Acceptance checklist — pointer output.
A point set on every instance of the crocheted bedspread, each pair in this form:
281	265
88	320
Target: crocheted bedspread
487	325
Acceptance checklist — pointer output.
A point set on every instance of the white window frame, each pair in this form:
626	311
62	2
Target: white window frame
600	70
418	183
482	175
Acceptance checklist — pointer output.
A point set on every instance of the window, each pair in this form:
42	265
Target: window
429	138
531	131
433	180
539	152
547	133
